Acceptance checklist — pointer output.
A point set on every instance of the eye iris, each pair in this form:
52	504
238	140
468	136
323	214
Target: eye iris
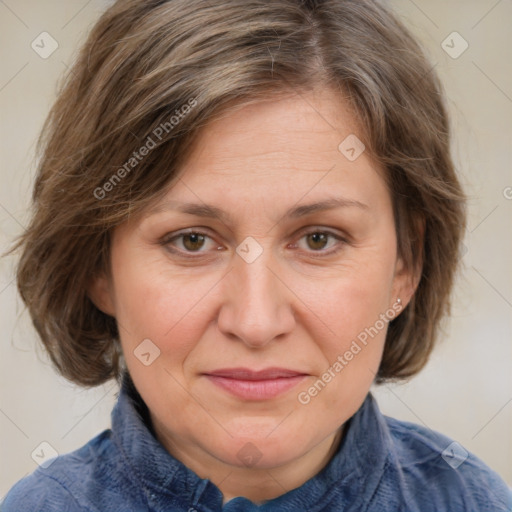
196	241
319	240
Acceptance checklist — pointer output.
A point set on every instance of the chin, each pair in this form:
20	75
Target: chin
259	453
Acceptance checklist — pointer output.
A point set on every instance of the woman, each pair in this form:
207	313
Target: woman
246	212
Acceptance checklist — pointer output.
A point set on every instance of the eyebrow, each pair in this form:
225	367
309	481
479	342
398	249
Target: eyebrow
214	212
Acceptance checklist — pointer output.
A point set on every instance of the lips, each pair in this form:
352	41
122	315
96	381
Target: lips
255	385
247	374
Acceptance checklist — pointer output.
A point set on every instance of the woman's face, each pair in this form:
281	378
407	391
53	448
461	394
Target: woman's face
252	300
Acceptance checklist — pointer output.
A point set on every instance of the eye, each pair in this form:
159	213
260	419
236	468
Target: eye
189	242
321	241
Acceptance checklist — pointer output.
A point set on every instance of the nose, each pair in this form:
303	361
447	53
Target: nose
257	306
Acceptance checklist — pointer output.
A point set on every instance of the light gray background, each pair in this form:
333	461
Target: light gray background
466	389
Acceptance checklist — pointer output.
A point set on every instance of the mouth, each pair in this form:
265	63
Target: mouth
255	385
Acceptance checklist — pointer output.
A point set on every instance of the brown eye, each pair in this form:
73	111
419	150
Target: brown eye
318	240
193	241
319	243
191	244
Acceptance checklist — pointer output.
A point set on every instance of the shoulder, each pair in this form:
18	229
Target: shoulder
39	492
442	472
67	482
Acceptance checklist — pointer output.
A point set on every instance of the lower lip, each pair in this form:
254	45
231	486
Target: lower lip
256	389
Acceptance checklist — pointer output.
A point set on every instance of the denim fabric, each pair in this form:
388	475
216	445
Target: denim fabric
382	465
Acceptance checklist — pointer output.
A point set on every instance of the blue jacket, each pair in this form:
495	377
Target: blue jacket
381	465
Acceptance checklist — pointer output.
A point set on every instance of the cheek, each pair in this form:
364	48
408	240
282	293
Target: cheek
351	314
351	353
152	302
353	300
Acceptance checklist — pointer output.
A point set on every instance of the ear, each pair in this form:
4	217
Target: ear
405	281
99	291
407	276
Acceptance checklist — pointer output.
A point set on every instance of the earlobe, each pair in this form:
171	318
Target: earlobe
409	268
99	291
405	283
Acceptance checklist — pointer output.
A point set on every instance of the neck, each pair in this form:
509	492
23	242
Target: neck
263	485
255	484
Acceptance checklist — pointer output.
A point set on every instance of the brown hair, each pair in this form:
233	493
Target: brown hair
143	64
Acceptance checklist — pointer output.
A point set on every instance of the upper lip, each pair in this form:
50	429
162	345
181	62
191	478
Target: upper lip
247	374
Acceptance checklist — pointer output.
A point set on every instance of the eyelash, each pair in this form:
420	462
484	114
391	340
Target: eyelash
168	239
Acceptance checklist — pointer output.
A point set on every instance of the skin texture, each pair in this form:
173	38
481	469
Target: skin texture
292	307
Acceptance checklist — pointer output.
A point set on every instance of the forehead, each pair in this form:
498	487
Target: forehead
277	151
296	125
